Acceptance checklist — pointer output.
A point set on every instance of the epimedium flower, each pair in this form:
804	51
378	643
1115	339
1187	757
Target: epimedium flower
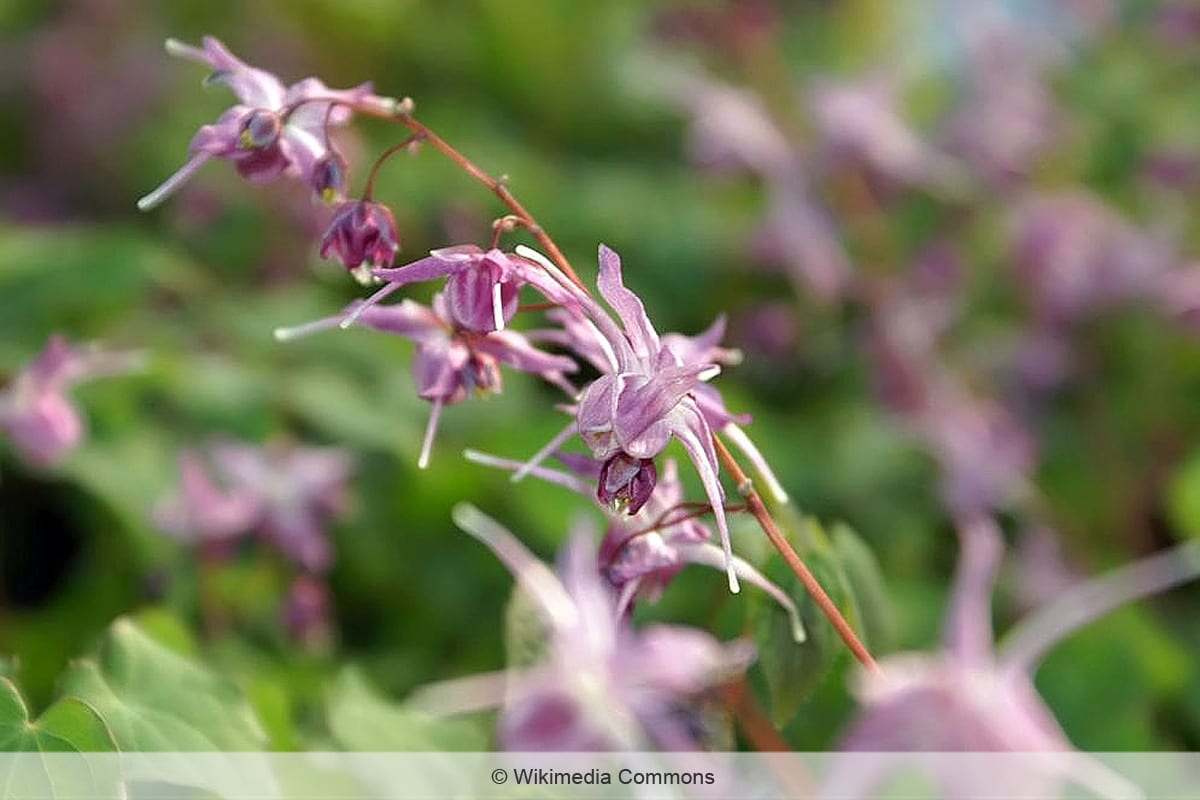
646	396
644	550
482	287
601	685
35	411
285	493
273	129
362	234
451	362
970	696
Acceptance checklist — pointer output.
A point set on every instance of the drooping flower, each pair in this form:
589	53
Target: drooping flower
645	396
966	697
644	550
272	129
285	493
731	128
362	234
450	362
35	411
602	685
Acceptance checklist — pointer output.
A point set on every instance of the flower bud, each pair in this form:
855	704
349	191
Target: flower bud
626	482
328	177
362	232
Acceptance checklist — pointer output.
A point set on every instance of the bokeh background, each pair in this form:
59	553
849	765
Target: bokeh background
586	107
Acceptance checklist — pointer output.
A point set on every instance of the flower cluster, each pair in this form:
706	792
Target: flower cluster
651	389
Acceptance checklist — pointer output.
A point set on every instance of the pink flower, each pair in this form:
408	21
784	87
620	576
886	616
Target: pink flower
602	685
362	233
970	696
285	493
482	286
644	550
35	412
451	362
272	130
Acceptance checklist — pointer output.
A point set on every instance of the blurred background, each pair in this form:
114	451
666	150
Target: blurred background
952	239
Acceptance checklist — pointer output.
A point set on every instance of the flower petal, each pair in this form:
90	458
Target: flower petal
638	328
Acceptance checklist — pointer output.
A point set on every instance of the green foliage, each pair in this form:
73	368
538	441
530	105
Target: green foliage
790	670
70	725
361	720
155	700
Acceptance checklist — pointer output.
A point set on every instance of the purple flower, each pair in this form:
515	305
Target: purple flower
647	397
41	421
644	550
450	362
1007	119
860	120
272	129
985	453
363	235
966	697
287	494
626	482
602	685
642	553
204	511
482	286
647	394
1077	256
305	614
328	177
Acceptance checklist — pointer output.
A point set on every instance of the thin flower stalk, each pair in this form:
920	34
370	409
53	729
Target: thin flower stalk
765	521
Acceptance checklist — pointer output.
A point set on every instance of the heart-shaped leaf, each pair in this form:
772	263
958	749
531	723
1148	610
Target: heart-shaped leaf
156	700
68	726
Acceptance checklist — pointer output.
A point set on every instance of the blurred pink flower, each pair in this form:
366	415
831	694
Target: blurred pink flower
602	685
966	697
40	420
285	493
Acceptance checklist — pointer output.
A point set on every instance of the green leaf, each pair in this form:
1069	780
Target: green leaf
865	580
68	726
791	670
361	720
156	700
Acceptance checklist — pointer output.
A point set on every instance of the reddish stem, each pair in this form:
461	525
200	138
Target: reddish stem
369	191
496	185
755	505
